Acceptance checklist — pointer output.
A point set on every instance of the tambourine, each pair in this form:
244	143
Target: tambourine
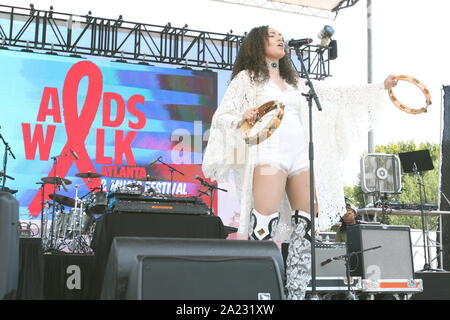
421	86
269	128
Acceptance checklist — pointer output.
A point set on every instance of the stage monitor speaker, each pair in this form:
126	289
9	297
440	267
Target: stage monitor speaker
435	286
129	254
393	260
325	251
335	268
205	278
9	246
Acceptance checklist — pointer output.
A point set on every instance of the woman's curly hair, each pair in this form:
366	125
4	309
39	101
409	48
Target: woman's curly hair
251	56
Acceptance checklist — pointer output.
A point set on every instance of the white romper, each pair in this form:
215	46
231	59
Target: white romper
286	149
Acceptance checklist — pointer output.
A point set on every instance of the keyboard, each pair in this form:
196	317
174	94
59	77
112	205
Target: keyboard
133	203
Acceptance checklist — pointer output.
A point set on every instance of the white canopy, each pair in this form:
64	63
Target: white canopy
316	8
317	4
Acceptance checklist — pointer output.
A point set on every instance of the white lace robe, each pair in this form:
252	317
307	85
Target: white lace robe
340	130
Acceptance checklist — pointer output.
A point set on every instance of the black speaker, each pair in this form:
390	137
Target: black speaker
435	286
181	268
333	53
205	278
334	268
323	252
9	246
389	255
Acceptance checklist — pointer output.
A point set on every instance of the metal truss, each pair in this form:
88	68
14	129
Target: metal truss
433	240
53	32
345	4
297	9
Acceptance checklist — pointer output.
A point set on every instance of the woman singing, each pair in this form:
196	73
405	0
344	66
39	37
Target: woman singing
272	178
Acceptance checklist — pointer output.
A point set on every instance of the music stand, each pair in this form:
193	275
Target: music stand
416	162
421	159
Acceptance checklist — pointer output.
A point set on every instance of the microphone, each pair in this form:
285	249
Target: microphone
200	179
325	35
154	161
64	185
300	42
326	262
74	154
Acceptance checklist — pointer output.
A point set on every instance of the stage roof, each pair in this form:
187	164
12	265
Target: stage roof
318	4
317	8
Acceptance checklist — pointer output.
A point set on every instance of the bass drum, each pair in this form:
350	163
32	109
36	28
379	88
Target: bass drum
74	219
96	204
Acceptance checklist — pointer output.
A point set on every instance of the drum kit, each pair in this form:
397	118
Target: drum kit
71	229
73	219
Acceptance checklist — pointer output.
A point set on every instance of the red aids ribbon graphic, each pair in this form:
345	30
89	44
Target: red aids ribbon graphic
77	125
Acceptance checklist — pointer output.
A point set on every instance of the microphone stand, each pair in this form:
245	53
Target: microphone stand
347	257
384	208
310	96
172	170
427	264
211	189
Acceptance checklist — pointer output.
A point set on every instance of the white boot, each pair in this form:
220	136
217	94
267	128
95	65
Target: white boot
298	216
298	262
263	227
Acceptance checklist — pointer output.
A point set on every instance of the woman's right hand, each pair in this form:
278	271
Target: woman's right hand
250	115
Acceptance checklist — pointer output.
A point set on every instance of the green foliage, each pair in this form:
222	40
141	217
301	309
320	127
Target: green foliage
410	187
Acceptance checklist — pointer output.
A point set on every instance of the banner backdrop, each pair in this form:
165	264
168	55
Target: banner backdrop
62	116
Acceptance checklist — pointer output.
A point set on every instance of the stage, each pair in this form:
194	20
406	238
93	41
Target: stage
60	275
105	193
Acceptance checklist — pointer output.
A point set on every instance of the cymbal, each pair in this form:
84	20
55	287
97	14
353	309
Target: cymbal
134	185
88	175
57	180
65	201
6	189
148	178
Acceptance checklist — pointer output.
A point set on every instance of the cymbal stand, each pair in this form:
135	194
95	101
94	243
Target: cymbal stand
55	177
44	222
44	212
76	215
43	219
52	225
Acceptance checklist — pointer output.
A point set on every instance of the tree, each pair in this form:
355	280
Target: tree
410	188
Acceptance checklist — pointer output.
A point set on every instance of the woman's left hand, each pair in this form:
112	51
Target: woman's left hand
390	82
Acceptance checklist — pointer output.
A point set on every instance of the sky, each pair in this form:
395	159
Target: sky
408	38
